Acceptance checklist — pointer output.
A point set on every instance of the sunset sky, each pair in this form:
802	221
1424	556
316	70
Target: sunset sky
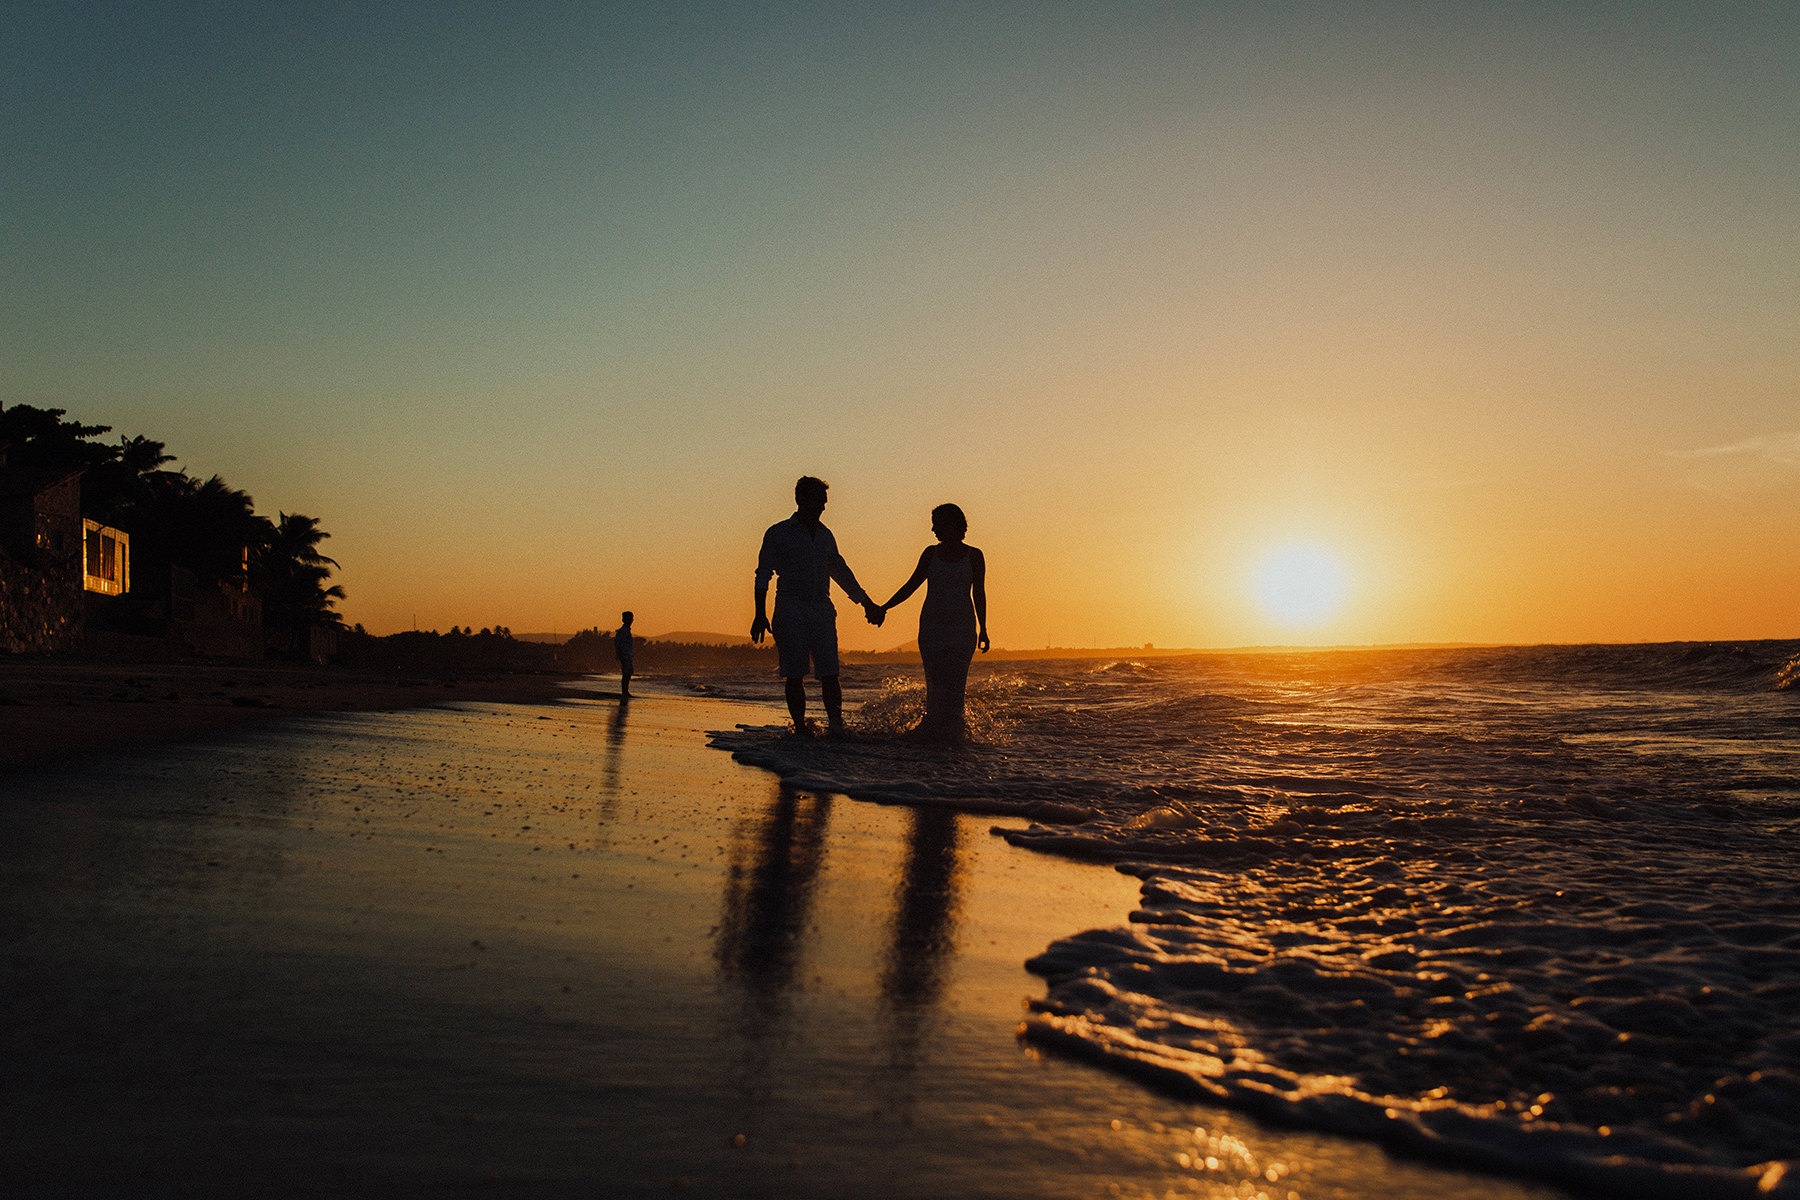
542	308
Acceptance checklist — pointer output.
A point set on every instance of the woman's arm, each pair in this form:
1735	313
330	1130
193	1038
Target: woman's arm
912	585
978	574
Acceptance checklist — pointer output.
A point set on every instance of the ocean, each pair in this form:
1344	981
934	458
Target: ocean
1533	909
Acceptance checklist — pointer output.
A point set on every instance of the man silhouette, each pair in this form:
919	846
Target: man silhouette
622	648
804	555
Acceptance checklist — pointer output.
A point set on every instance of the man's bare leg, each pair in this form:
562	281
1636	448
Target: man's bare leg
834	703
796	702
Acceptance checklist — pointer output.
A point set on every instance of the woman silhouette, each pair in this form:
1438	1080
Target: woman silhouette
952	621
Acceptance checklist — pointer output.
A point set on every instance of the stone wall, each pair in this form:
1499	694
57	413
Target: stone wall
220	622
41	604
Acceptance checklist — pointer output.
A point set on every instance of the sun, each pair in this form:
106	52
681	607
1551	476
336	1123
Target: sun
1299	584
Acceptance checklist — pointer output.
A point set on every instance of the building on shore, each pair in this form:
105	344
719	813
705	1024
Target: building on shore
67	584
41	594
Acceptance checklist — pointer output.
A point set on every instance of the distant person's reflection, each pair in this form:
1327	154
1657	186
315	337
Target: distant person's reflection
610	759
615	742
922	938
771	876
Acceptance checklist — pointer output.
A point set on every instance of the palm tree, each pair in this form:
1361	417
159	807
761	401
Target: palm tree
177	521
213	528
291	577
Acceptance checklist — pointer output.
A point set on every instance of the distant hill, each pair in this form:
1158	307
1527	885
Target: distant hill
693	638
727	639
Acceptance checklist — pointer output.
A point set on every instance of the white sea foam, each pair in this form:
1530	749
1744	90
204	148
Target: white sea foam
1536	910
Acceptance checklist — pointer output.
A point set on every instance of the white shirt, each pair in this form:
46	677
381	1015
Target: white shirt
807	560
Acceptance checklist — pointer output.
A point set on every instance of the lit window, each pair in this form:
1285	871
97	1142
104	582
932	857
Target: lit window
106	559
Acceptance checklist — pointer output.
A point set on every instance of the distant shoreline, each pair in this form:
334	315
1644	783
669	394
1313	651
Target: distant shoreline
54	709
689	650
702	642
1194	651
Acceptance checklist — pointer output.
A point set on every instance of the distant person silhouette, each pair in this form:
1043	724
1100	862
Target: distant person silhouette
803	554
622	646
952	621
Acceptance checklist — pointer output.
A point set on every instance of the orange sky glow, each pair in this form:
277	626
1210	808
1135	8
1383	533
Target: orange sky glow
1497	306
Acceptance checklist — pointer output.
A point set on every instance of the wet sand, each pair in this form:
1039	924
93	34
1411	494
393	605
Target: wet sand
567	951
54	709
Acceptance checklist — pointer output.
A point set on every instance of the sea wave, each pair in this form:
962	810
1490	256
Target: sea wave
1537	910
1515	1016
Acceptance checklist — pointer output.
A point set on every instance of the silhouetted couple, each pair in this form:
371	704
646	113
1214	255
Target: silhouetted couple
803	554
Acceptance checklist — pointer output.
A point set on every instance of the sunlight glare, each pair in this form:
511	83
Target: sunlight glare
1299	584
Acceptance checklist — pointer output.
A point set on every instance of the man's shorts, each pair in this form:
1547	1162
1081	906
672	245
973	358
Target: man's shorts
805	631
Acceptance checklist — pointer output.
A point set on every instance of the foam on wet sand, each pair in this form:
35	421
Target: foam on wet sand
1528	908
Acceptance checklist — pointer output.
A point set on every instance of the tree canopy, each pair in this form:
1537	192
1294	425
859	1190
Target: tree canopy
178	520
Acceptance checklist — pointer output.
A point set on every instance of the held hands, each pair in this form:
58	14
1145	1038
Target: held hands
758	627
875	613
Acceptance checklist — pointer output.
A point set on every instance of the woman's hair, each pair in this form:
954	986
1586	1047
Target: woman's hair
951	517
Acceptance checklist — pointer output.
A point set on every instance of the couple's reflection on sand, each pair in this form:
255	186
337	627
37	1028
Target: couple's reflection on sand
922	934
771	877
767	918
770	881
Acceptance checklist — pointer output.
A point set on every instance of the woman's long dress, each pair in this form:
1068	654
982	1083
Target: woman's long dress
947	630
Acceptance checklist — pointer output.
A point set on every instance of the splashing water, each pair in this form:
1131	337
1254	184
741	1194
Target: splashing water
898	705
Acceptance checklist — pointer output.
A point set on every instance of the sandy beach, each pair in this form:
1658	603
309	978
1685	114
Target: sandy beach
542	951
53	709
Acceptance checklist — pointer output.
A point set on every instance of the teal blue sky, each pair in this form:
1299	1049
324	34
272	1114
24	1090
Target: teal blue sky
541	308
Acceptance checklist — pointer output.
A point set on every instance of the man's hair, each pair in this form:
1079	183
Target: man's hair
951	517
626	617
806	486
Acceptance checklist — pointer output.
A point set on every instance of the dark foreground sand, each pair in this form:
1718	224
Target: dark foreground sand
503	950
